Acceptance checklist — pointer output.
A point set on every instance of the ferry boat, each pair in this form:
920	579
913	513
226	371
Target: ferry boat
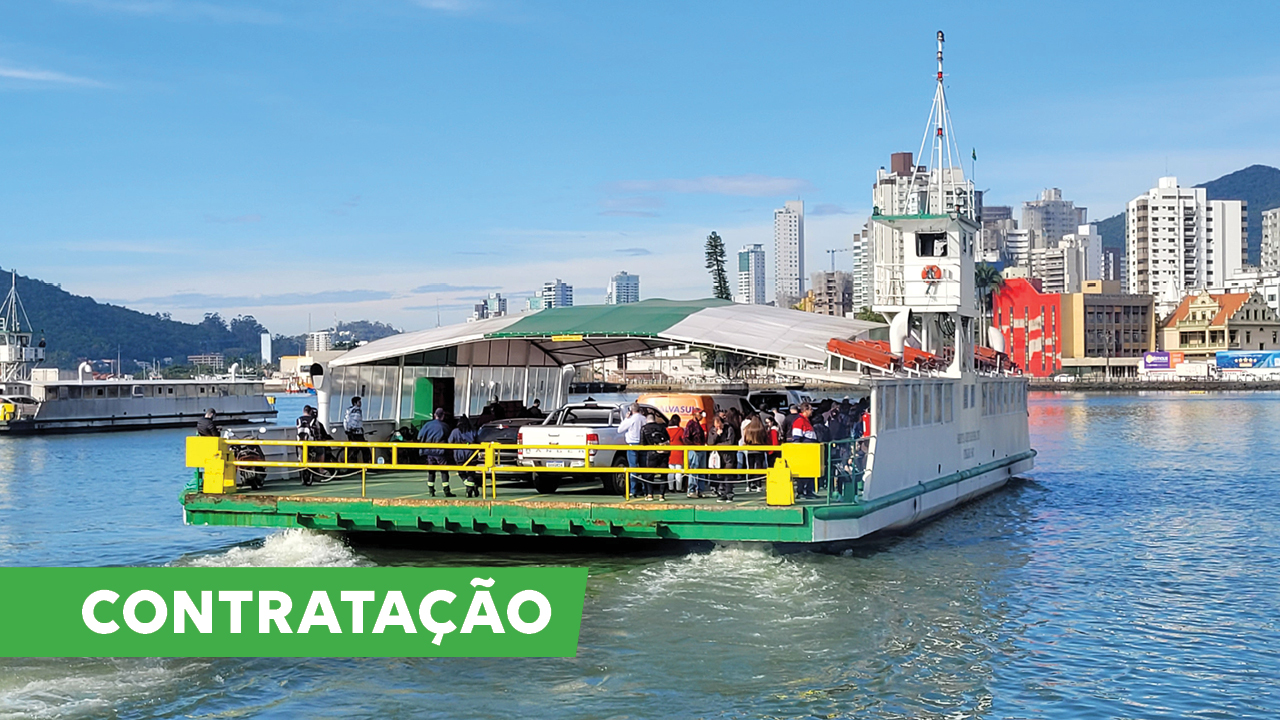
31	405
947	411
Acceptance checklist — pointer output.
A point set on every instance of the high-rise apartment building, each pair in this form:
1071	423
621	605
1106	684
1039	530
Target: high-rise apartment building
1271	239
1051	217
1086	241
750	275
556	294
320	341
624	289
997	221
1017	248
863	274
832	293
788	253
1177	240
493	306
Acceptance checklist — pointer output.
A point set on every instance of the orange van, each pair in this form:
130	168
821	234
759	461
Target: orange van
682	405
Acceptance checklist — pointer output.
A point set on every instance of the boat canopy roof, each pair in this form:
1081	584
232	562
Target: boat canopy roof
564	336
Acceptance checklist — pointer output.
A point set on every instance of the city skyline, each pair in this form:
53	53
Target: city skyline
159	170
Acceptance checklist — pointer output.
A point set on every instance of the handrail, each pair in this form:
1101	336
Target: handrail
216	457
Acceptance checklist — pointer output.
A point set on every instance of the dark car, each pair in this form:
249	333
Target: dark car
505	432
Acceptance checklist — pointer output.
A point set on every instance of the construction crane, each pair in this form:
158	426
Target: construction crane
833	252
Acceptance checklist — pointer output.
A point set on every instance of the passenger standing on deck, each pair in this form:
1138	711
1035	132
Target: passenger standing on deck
654	432
755	434
726	433
630	431
353	423
675	435
206	427
465	434
793	412
435	431
696	434
802	431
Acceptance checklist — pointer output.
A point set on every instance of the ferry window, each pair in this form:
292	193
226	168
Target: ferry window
137	391
170	391
949	398
201	389
927	403
888	407
937	402
63	392
931	244
113	392
985	402
100	392
915	405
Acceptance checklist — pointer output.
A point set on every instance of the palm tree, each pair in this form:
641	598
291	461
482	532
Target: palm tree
986	280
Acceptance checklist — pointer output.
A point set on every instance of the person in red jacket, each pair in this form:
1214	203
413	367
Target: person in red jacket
676	460
802	431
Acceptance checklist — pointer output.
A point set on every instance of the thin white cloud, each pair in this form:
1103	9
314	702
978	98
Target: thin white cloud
183	10
456	7
747	185
46	76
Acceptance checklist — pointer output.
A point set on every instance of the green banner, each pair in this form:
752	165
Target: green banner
291	612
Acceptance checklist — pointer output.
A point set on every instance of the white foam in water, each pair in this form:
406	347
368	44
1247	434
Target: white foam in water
748	572
291	548
95	690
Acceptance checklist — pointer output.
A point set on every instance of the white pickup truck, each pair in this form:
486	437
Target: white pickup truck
586	423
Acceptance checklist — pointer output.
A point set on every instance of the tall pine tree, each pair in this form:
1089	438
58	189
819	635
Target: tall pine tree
715	265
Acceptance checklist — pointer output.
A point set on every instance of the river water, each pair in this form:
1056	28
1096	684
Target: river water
1135	573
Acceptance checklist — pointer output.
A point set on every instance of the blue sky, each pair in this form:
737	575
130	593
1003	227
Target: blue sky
379	158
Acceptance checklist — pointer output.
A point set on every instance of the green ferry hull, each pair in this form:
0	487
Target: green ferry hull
603	516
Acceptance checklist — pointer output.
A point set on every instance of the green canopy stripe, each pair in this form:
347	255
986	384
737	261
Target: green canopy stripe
642	319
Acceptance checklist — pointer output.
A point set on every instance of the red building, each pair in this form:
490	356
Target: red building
1031	322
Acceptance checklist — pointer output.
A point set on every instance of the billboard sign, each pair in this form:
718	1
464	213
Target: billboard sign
1248	359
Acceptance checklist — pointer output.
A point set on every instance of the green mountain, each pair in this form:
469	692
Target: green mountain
1258	185
79	328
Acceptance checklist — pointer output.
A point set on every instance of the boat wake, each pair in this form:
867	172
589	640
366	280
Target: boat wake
90	687
289	548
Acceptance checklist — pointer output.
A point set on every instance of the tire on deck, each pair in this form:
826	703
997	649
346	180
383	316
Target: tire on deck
545	483
615	483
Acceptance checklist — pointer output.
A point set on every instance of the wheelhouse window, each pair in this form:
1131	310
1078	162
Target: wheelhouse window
931	244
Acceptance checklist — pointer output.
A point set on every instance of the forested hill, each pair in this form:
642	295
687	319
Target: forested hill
79	328
1258	185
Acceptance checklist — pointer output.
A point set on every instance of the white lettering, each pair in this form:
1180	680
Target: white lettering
394	601
131	612
235	598
90	604
357	598
319	612
268	614
544	612
428	622
482	601
201	617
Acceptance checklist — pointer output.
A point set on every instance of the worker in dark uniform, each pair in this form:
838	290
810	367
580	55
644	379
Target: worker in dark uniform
206	427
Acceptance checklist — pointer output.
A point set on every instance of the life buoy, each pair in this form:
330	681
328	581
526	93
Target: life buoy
932	273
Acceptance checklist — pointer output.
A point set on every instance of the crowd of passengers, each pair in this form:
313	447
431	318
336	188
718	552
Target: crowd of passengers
828	421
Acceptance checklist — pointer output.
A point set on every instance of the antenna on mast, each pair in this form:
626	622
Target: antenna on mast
945	190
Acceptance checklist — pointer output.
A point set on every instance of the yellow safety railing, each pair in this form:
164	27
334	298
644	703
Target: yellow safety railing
215	458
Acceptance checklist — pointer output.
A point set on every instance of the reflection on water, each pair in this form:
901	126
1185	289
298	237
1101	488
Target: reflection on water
1133	576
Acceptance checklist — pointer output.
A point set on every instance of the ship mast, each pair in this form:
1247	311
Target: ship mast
946	190
17	355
